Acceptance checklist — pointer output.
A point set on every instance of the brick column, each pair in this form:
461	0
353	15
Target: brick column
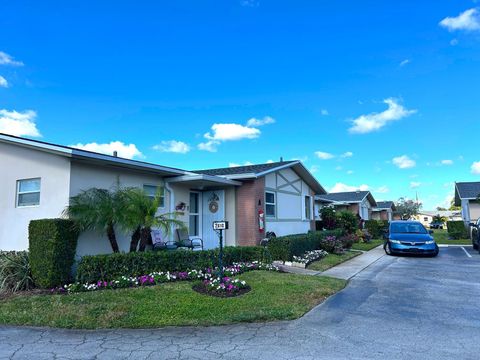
248	195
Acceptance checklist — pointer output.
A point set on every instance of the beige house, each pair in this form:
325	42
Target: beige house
38	179
383	211
466	195
360	203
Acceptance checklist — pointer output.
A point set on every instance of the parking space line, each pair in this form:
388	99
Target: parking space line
466	252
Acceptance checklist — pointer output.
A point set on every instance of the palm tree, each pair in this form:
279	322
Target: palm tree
140	216
98	210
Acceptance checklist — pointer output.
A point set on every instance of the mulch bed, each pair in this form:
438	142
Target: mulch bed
200	288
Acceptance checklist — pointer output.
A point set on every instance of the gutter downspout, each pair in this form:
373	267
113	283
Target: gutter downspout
172	205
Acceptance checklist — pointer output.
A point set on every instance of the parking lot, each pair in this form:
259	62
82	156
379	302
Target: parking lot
397	308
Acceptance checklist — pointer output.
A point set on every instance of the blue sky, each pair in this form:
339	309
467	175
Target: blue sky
381	95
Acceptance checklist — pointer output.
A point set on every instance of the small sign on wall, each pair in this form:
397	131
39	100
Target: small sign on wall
220	225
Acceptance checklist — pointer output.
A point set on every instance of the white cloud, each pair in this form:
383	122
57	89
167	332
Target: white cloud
18	123
347	154
446	162
246	163
405	62
403	162
454	42
173	146
6	59
375	121
324	112
3	82
415	184
468	20
324	155
475	168
229	132
382	189
338	168
270	161
314	169
125	151
210	146
253	122
341	187
350	172
249	3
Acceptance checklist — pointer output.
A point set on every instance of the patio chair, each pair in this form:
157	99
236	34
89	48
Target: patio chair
184	240
159	242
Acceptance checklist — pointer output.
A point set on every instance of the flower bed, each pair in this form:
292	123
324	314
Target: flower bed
310	256
222	287
156	278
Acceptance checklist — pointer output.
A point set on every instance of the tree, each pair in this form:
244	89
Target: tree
453	207
406	209
98	210
328	216
140	216
439	208
439	219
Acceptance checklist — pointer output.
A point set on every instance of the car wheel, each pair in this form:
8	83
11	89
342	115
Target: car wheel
437	250
475	245
387	249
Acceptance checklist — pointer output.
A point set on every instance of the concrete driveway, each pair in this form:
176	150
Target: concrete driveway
397	308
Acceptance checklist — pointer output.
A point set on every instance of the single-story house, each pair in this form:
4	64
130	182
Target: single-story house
466	195
38	179
358	202
383	211
426	217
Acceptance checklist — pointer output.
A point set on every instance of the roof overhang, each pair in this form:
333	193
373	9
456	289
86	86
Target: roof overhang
91	157
202	181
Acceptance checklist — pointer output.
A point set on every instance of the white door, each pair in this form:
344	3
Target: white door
213	210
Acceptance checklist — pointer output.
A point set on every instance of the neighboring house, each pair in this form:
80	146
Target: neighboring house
284	191
383	211
466	195
38	179
358	202
426	217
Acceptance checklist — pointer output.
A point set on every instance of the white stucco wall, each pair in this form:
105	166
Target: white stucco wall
18	163
85	176
290	191
230	216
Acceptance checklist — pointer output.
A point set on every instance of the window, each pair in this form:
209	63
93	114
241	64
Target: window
193	224
425	218
28	192
308	211
152	190
270	206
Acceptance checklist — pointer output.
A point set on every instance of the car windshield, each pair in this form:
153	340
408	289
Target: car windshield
407	228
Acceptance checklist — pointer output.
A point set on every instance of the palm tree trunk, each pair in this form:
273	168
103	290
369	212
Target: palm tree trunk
144	238
112	238
135	239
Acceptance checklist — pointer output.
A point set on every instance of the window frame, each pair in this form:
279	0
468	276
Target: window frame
274	204
156	186
18	193
307	210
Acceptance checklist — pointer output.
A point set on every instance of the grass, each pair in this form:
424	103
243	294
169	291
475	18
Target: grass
274	296
332	260
367	246
441	237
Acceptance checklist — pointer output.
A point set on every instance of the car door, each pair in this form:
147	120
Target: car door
475	232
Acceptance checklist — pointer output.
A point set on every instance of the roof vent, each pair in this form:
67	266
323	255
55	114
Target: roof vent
281	158
115	153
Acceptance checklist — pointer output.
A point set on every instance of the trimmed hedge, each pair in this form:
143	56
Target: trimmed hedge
286	247
108	267
376	228
52	246
457	230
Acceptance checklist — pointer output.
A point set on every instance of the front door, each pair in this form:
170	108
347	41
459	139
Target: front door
213	206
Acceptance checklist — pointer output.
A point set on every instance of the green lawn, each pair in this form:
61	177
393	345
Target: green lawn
274	296
332	260
441	237
367	246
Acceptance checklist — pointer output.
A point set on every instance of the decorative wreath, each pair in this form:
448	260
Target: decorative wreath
180	206
213	206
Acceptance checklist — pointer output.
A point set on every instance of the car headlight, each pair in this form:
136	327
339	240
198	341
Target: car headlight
395	241
430	242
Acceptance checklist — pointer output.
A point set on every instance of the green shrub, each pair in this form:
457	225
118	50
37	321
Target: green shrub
329	217
15	273
108	267
457	230
375	228
286	247
347	221
53	243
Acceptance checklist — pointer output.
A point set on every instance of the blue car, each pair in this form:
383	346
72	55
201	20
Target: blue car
410	237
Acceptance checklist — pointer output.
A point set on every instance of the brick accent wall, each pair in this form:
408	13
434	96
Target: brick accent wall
248	196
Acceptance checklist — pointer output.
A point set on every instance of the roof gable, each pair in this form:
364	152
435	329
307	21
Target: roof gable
467	190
